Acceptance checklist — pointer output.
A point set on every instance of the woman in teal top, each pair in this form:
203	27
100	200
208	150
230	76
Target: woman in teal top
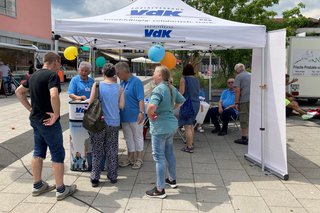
163	125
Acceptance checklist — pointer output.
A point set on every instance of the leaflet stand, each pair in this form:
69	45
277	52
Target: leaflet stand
79	152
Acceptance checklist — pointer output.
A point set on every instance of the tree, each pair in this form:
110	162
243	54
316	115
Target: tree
248	11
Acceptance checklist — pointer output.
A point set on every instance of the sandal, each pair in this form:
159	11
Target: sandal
125	162
137	164
187	149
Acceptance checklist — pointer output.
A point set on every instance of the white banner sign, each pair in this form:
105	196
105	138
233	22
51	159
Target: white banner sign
273	152
306	63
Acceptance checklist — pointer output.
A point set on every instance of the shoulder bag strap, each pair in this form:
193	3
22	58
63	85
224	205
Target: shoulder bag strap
97	91
186	89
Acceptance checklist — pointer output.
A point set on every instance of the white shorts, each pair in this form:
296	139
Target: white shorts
133	134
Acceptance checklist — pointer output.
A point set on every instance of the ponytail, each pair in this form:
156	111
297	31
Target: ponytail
166	77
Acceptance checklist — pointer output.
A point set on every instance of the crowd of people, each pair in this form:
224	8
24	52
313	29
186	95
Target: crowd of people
123	107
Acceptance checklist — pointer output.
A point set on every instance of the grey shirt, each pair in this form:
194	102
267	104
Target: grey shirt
243	81
5	70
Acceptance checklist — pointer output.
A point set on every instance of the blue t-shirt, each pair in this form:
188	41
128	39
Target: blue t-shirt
80	87
133	94
227	98
109	97
166	122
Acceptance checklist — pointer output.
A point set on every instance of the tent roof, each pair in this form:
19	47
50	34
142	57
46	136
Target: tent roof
171	22
115	56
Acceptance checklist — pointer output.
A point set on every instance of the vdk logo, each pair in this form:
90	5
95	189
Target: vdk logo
157	33
79	110
155	13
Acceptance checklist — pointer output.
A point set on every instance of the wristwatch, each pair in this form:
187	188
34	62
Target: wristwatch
141	112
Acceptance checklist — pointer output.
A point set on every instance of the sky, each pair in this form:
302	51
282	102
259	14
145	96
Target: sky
65	9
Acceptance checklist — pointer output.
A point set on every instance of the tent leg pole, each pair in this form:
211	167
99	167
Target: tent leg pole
56	43
210	70
262	125
94	57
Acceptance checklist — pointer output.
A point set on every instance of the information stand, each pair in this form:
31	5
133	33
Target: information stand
79	137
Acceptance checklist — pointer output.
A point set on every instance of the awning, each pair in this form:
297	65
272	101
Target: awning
115	57
143	60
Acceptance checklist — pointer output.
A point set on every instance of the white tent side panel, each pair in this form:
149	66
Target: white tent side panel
275	152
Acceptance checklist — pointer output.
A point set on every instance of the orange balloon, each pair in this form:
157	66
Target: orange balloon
169	60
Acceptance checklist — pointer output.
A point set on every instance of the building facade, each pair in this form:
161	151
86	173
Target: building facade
26	22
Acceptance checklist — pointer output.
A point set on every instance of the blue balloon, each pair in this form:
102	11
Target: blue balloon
156	53
100	61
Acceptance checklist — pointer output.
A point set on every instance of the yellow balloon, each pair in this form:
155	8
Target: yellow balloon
169	60
70	53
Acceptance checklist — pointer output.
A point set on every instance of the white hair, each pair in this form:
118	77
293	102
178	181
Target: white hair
85	64
239	67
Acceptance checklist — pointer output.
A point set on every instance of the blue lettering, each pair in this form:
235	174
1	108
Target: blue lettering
138	13
157	33
166	33
79	110
155	13
148	33
171	13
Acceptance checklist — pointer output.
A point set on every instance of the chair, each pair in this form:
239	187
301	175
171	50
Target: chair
233	120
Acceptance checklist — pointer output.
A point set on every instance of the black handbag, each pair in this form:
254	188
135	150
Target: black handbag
92	119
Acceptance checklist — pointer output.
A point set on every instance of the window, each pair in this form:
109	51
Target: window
8	7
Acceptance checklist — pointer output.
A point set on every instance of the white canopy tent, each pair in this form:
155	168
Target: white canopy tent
178	26
172	22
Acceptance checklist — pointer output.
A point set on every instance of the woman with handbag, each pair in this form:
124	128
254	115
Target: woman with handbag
163	125
190	89
105	142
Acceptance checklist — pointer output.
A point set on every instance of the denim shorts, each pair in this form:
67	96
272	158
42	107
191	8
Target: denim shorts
48	136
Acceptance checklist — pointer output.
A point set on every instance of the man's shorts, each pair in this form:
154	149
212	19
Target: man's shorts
48	136
244	115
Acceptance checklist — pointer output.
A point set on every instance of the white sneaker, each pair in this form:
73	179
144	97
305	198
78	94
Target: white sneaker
45	188
69	190
306	116
200	129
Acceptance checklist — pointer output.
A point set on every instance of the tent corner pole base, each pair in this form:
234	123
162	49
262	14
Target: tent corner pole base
282	176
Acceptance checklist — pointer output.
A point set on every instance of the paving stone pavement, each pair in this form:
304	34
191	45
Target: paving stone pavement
215	178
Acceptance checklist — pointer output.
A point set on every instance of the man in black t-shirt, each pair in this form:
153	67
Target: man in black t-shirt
44	88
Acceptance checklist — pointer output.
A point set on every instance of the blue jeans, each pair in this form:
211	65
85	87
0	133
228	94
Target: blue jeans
48	136
6	83
163	155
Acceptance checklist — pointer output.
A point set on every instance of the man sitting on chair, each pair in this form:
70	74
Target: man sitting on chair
225	110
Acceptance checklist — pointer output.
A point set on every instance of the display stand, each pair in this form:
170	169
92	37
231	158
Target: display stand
79	137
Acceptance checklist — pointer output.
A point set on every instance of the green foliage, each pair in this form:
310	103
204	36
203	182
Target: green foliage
176	75
246	11
219	80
